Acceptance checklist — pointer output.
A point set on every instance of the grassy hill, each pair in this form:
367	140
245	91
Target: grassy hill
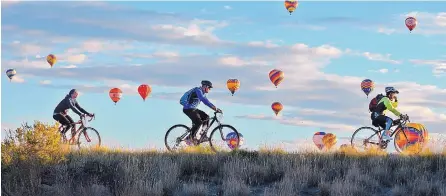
34	163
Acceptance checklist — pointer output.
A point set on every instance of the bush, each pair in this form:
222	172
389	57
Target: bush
40	142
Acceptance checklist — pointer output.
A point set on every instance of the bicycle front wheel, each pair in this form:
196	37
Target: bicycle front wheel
224	138
406	144
365	138
88	138
177	138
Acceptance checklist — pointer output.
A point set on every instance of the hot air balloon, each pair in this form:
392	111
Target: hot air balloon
144	90
233	85
51	59
317	139
231	140
367	86
276	76
115	94
411	23
277	107
290	5
11	73
329	140
416	135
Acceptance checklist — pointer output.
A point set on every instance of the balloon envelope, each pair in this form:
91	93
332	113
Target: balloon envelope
290	5
51	59
233	85
317	139
231	140
144	90
10	73
411	23
277	107
276	76
329	140
367	86
413	138
115	94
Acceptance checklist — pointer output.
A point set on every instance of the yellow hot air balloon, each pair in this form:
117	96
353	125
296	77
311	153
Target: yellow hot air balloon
233	85
277	107
290	5
51	59
329	140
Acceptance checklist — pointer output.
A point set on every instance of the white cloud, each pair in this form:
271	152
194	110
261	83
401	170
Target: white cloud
380	57
45	82
380	71
438	66
228	7
386	31
68	67
18	79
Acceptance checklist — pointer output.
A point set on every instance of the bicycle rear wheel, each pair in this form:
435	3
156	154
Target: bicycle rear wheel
179	137
365	138
88	138
226	138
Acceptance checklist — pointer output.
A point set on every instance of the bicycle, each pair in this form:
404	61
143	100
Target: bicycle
231	142
401	125
82	129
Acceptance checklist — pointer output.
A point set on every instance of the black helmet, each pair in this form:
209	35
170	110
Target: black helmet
72	91
207	83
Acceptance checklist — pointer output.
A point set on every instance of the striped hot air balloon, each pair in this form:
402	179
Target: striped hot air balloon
51	59
10	73
317	139
367	86
276	76
412	139
329	140
290	5
115	94
277	107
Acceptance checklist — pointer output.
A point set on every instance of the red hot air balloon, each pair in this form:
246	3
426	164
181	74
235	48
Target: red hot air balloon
276	76
144	90
411	23
277	107
115	94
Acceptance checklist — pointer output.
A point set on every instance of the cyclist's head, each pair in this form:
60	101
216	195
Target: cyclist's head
73	93
391	91
206	85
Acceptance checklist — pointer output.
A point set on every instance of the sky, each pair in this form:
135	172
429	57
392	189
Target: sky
325	50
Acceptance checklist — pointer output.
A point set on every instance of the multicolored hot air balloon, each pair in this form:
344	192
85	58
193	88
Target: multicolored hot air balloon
417	136
411	23
329	140
115	94
276	76
277	107
144	90
290	5
231	140
317	139
10	73
51	59
233	85
367	86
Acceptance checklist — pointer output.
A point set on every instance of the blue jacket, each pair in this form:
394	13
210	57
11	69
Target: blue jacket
192	98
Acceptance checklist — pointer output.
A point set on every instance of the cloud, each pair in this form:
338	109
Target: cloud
438	66
18	79
380	71
45	82
386	31
68	67
380	57
227	7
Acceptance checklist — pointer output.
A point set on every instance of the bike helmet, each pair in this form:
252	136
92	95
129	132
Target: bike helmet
391	90
207	83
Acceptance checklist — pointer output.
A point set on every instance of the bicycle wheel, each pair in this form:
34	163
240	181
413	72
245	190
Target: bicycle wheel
403	145
365	138
227	138
180	141
88	138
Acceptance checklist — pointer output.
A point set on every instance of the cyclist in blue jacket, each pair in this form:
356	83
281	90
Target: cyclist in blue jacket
190	101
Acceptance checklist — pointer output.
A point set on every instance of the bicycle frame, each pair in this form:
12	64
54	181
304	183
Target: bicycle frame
81	127
213	120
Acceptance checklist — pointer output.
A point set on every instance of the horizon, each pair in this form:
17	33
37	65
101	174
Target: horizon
325	50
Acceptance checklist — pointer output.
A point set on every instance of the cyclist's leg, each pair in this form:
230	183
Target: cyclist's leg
73	127
204	117
64	121
196	120
385	122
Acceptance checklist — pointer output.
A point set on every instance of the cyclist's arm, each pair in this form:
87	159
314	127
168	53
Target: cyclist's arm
390	107
72	106
80	108
204	99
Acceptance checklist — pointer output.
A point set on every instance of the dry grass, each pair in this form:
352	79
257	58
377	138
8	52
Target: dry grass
119	172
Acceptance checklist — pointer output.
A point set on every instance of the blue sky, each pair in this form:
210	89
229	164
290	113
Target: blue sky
325	49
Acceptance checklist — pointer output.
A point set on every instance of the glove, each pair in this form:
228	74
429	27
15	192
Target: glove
218	110
90	115
404	117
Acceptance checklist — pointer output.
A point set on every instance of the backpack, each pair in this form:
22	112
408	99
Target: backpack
374	102
185	98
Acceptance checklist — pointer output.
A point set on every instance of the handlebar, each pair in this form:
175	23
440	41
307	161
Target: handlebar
91	117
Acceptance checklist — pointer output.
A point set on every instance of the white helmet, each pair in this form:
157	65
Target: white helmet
391	90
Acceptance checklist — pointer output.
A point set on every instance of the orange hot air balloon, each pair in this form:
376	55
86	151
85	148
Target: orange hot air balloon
276	76
51	59
144	90
233	85
329	140
290	5
115	94
277	107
